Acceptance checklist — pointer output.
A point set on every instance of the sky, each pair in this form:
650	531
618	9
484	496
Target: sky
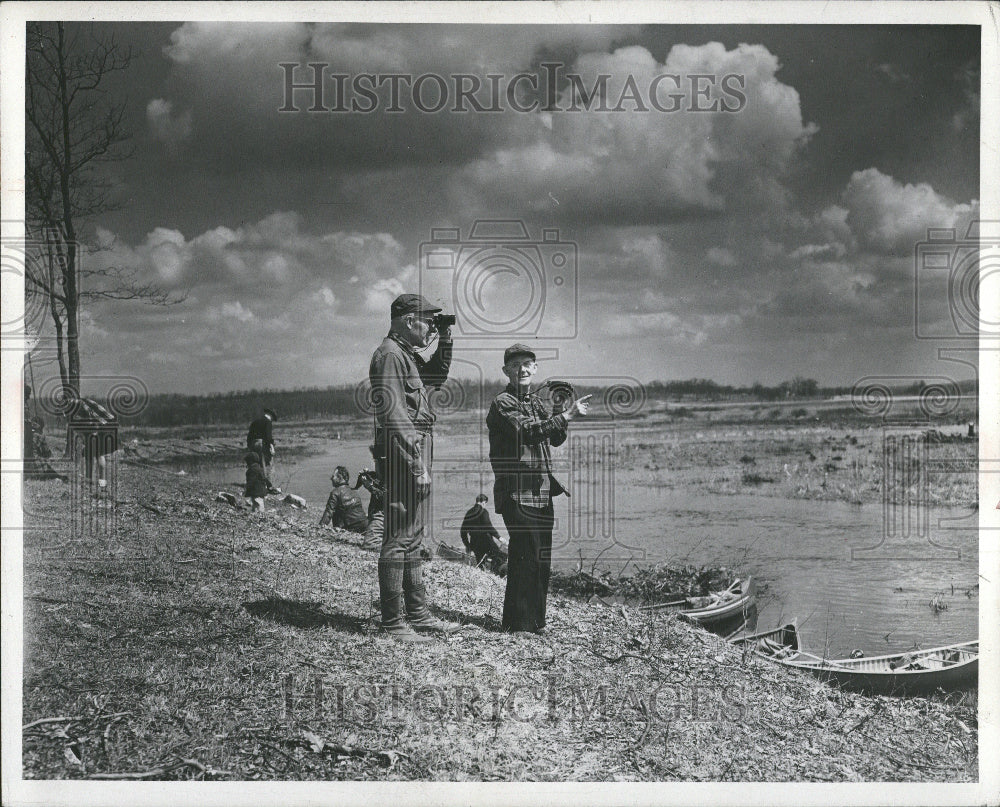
772	239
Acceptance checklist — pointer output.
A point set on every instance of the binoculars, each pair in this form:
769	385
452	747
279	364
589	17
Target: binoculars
442	321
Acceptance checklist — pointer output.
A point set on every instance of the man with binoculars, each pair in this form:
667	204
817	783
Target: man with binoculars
404	451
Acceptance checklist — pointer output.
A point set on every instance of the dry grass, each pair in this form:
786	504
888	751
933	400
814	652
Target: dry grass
200	642
808	461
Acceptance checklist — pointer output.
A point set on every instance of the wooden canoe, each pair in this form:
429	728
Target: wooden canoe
719	606
951	667
456	555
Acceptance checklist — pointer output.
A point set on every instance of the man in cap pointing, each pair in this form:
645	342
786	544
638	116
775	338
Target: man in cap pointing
522	434
403	452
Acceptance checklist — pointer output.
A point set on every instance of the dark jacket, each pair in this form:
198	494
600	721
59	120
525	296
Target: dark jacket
522	432
344	509
256	487
399	378
261	429
376	504
478	532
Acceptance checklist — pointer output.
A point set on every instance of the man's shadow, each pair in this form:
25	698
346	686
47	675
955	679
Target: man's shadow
304	614
487	622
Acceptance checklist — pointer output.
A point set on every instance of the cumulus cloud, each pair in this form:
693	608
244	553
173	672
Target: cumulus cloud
165	125
230	75
889	217
233	310
648	166
264	256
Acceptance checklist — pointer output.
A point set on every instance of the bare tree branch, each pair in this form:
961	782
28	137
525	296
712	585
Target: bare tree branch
72	125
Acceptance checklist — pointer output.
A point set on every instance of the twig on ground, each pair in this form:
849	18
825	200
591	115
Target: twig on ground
162	770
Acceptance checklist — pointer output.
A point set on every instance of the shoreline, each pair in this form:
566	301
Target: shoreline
816	462
248	645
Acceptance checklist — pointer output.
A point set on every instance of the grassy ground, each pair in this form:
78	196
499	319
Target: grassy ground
202	642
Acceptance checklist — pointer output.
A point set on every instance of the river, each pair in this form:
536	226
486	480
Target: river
830	565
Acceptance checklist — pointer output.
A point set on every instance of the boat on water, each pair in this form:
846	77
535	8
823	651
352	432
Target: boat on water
725	606
951	667
455	555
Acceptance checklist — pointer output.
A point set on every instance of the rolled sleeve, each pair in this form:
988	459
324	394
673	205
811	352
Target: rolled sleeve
434	371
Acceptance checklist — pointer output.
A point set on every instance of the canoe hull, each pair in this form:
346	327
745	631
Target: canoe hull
950	668
951	679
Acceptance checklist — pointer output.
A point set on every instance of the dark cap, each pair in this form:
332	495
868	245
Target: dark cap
270	413
482	497
412	304
517	349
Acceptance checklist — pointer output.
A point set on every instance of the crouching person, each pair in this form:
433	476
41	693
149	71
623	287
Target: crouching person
343	508
256	486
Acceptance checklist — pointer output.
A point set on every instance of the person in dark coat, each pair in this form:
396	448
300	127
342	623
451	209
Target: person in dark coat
260	438
343	507
522	434
376	508
256	486
480	536
94	431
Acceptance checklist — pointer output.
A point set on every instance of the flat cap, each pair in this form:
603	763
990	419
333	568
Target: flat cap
517	349
412	304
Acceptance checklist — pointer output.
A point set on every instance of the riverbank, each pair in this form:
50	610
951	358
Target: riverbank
202	642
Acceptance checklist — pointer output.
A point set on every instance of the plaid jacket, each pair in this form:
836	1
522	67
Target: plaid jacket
522	433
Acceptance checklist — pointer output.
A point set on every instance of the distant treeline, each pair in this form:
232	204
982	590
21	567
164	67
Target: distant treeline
318	403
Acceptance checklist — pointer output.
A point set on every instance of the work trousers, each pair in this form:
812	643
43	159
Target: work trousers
408	523
529	565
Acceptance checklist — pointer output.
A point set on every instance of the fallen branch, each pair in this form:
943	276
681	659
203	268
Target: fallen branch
162	770
51	720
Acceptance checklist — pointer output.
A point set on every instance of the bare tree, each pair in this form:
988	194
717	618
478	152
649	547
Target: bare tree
72	126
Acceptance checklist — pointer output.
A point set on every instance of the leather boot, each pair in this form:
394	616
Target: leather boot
415	594
390	590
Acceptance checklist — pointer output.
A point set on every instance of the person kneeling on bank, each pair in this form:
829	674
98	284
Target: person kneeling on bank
343	507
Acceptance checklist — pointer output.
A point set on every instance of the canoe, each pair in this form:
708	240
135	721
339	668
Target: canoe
950	667
719	606
456	555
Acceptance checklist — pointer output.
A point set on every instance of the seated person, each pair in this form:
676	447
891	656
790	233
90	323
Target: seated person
36	450
481	537
256	486
343	508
